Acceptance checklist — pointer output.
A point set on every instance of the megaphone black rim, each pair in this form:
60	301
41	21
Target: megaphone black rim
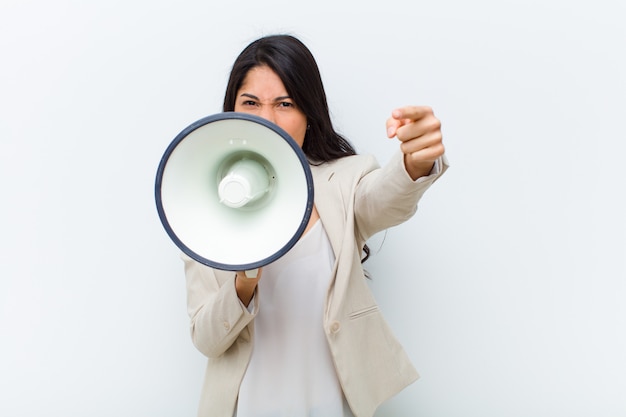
237	116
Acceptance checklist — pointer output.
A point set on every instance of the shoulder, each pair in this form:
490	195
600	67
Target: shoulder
354	165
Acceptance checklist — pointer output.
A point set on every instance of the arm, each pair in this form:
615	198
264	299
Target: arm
389	196
217	314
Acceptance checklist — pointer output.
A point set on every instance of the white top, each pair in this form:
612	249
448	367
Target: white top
291	372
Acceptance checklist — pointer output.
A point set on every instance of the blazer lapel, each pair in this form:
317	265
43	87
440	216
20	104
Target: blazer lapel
329	207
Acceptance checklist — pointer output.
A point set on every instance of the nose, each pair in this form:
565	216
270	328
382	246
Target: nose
267	113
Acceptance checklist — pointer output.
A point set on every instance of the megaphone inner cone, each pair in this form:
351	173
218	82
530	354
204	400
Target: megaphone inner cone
245	180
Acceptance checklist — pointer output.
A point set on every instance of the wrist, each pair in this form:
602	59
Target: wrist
417	169
245	287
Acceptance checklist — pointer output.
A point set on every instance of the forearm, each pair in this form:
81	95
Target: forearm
389	196
217	315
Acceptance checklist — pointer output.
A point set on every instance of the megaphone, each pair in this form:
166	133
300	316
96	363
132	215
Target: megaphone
234	191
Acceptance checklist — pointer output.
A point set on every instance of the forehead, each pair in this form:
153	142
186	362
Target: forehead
262	78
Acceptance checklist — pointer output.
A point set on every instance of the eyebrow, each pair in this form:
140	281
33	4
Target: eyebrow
252	96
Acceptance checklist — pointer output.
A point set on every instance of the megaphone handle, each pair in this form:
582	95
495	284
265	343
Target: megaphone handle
252	273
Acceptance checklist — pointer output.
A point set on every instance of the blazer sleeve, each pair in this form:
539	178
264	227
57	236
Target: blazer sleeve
217	315
388	196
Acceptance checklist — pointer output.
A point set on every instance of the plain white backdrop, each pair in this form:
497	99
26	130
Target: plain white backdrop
508	289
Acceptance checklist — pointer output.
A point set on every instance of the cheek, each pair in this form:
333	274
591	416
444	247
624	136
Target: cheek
296	129
298	135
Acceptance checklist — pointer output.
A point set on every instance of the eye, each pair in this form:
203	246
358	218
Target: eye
285	104
248	103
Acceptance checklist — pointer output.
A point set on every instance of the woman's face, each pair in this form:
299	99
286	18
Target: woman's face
263	94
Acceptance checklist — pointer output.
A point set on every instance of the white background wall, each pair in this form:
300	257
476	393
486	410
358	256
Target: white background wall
507	289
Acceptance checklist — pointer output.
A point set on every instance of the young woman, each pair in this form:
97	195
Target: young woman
305	337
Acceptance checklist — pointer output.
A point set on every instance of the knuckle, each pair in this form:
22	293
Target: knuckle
435	124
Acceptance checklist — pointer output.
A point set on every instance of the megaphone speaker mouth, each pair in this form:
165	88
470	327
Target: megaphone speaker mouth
234	191
245	181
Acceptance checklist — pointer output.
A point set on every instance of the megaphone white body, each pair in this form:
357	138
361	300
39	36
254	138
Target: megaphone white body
234	191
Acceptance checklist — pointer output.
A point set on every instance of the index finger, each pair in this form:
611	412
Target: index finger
411	112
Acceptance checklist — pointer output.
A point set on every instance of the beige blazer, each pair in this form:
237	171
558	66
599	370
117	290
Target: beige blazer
355	199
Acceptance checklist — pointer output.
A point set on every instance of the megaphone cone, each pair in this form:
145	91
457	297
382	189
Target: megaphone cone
234	191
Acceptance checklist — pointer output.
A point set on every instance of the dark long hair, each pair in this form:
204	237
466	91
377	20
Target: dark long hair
294	64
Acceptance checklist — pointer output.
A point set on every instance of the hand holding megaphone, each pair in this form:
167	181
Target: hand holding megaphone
245	284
